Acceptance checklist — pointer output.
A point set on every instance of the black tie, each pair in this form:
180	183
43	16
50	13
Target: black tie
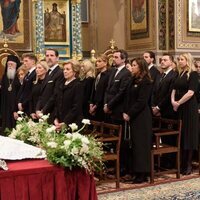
27	75
49	71
162	77
114	74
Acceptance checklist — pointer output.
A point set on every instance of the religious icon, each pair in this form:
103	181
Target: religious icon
16	24
138	11
139	19
194	15
55	24
10	14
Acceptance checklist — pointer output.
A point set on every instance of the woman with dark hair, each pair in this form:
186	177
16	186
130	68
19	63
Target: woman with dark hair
138	114
10	86
69	97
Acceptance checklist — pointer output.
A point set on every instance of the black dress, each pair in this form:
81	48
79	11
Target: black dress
97	95
198	91
137	107
188	111
198	100
87	84
36	88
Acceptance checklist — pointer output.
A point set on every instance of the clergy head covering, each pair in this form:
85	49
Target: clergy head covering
14	59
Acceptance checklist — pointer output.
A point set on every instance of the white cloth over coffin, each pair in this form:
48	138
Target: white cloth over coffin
12	149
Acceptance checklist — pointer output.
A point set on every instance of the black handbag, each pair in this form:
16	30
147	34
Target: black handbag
127	135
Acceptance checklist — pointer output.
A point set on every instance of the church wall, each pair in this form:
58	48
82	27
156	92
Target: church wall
187	38
168	28
107	21
141	29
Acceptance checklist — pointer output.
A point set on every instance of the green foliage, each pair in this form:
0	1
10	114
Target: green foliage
68	148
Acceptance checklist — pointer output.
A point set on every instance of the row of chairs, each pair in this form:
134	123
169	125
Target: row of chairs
110	136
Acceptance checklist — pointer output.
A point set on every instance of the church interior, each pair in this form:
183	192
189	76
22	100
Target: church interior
85	29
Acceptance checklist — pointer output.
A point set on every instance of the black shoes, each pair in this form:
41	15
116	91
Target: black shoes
140	178
186	171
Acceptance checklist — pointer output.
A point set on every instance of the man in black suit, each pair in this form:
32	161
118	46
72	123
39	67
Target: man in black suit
162	102
52	80
118	80
162	97
114	99
150	58
29	60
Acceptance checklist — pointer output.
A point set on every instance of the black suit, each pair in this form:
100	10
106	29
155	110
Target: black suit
162	99
114	98
162	95
25	91
114	95
46	100
155	76
69	100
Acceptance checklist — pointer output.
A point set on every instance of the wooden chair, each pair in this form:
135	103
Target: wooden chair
110	136
168	128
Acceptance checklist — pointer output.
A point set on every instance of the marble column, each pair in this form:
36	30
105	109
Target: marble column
76	30
39	28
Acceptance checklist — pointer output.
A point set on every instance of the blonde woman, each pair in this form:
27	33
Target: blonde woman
41	70
21	73
87	76
184	101
99	87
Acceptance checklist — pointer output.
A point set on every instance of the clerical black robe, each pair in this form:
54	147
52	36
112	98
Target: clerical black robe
8	101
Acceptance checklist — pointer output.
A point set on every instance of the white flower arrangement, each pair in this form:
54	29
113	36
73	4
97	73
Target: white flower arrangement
68	148
27	130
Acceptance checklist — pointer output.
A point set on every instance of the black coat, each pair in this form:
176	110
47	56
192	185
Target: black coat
162	95
97	95
25	91
69	99
49	85
87	84
137	107
114	95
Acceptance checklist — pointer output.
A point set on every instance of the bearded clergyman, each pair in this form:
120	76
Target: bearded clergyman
10	86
